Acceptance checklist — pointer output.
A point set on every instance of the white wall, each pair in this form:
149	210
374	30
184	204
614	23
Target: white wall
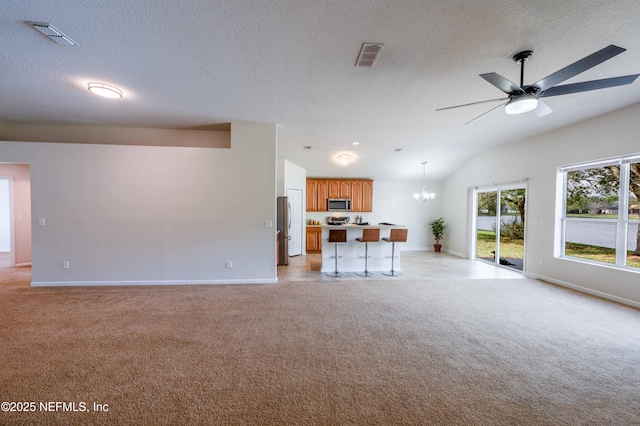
538	159
133	214
393	202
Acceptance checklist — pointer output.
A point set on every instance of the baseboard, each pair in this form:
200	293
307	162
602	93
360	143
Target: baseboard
18	265
453	252
147	283
585	290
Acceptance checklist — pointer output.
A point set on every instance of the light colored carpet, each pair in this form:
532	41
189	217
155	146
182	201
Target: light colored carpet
516	352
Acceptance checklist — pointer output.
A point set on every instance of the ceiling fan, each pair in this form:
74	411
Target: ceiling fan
523	98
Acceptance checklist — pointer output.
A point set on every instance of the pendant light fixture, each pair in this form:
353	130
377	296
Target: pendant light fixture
424	195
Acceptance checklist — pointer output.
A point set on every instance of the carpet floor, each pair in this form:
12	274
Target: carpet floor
461	351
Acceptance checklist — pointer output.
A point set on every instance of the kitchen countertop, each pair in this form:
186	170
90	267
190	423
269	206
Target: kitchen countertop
354	226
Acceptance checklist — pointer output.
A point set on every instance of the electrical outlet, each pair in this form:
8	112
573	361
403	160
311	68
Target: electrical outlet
65	264
41	221
540	262
268	224
229	264
542	224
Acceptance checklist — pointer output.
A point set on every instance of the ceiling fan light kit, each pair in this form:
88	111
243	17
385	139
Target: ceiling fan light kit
521	104
524	98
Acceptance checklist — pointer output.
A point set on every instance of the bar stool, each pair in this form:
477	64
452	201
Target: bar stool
369	235
397	235
337	236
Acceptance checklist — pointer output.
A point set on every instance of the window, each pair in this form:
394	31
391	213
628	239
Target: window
601	212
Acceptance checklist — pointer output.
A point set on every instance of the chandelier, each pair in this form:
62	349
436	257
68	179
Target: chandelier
424	195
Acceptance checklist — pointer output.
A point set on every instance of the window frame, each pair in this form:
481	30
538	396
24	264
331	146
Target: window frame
622	221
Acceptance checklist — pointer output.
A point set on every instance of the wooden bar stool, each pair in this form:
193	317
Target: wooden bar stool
337	236
397	235
369	235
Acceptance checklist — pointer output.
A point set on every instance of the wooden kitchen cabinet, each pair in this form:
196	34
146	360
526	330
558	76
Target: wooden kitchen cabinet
314	239
317	195
339	189
323	187
367	195
333	190
312	195
361	195
359	191
345	189
356	196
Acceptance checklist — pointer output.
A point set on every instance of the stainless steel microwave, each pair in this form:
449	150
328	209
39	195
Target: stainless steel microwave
339	205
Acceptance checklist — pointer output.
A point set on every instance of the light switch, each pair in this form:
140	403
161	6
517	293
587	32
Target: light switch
268	224
41	221
534	223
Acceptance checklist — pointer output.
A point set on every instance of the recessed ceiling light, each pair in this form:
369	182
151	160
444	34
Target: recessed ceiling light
355	143
105	90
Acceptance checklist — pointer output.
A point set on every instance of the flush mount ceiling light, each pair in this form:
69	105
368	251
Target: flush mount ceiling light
521	104
344	159
105	90
424	195
355	143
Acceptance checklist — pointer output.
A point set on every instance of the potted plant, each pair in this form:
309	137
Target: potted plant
437	228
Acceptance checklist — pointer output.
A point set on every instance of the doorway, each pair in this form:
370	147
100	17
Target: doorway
7	233
294	197
500	226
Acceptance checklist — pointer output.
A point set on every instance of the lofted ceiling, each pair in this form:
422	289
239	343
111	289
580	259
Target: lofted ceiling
197	63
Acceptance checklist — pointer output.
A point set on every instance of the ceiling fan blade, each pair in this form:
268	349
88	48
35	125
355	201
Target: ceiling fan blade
542	109
504	84
483	114
577	67
472	103
589	85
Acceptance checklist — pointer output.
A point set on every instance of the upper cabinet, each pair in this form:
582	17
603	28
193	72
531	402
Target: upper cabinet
359	191
312	195
367	195
339	188
322	195
317	195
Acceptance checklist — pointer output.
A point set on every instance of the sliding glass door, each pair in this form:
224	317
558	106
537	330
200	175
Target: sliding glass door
500	226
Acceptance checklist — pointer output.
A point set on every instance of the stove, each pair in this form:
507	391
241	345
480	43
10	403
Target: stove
338	220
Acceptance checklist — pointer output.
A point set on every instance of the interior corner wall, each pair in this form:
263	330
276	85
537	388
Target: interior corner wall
393	202
153	215
21	208
538	159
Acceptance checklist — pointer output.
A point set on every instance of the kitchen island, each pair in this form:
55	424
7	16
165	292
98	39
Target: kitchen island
352	251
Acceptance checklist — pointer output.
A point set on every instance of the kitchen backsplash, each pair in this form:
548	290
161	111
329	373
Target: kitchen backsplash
322	216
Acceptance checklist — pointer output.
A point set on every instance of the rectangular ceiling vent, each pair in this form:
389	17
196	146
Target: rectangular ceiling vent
369	54
53	33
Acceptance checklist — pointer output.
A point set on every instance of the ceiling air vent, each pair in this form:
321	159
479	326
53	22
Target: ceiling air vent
53	33
369	54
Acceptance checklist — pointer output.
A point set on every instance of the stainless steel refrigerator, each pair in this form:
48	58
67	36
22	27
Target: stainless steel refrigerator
284	223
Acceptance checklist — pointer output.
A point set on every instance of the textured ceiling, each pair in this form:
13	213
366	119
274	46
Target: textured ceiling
187	64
